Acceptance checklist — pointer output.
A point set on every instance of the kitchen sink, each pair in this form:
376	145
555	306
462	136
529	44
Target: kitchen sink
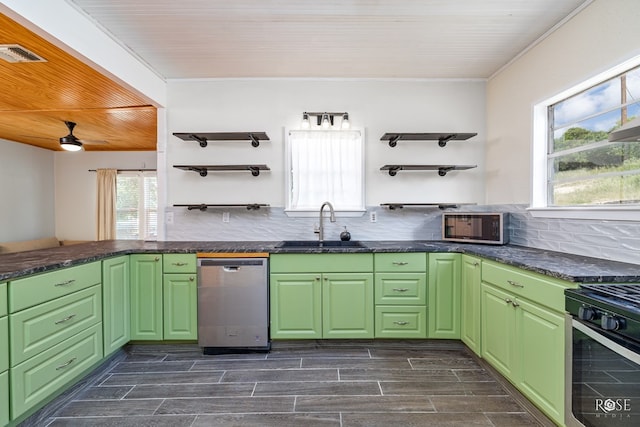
318	244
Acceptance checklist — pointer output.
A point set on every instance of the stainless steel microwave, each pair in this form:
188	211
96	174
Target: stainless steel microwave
476	227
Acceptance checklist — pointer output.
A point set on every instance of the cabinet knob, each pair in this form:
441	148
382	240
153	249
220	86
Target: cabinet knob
476	264
317	277
508	300
515	304
191	279
156	259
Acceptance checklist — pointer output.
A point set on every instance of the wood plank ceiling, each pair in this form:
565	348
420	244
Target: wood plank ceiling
38	97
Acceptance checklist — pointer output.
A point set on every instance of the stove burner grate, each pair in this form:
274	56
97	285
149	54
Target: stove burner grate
627	292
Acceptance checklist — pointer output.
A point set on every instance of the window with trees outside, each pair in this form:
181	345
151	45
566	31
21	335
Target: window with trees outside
137	206
585	168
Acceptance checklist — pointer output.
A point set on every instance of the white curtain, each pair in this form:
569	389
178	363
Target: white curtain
326	166
106	179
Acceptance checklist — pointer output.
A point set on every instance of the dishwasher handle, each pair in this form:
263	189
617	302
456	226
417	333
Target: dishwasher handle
231	268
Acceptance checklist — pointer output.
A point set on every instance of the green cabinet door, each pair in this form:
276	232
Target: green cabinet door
180	307
541	339
347	305
295	306
4	343
498	330
146	296
116	295
4	398
470	280
443	302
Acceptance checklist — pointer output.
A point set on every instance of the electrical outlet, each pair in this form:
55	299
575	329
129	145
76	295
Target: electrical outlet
225	216
169	218
373	216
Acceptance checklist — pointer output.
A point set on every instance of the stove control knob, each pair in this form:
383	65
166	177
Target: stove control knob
587	313
610	322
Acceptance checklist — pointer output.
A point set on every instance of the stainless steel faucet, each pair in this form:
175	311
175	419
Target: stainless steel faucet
332	218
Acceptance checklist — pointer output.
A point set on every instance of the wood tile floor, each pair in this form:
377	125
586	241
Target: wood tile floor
323	383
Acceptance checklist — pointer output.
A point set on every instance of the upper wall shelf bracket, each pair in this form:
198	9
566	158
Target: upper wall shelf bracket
203	170
202	138
442	138
204	206
442	169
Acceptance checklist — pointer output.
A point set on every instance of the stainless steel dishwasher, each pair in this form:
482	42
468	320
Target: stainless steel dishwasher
233	305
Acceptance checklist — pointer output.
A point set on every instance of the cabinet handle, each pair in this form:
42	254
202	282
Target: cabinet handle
191	279
66	319
399	263
476	264
400	289
156	259
64	365
179	264
515	304
516	284
317	277
508	300
68	282
401	322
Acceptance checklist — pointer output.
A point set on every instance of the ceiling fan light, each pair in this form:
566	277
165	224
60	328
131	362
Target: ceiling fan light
70	143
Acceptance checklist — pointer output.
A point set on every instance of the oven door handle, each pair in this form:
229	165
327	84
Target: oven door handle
612	345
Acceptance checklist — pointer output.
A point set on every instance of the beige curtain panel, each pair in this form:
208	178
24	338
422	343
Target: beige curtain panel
106	203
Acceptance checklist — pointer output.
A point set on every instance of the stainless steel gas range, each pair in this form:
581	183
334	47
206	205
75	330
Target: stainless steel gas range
605	354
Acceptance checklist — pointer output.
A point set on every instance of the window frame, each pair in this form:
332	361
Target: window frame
539	206
341	212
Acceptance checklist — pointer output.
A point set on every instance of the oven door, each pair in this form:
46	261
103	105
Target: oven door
605	388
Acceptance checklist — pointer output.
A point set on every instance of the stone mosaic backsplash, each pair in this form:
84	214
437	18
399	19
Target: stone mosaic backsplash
613	240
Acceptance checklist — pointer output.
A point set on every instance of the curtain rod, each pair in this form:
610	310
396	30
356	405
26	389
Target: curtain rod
130	170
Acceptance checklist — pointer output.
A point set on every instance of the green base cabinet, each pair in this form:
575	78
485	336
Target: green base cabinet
295	306
470	294
347	305
523	333
321	296
4	398
146	297
444	296
180	313
116	295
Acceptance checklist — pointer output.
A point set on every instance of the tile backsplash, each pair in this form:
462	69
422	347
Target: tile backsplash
614	240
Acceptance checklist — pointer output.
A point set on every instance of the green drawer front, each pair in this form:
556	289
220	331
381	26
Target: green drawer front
536	287
4	344
401	288
39	377
401	321
321	263
179	263
30	291
401	261
4	398
43	326
3	300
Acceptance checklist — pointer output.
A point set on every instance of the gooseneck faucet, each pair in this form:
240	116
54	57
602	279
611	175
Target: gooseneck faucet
332	218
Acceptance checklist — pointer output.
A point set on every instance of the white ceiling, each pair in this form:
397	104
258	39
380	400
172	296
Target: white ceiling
329	38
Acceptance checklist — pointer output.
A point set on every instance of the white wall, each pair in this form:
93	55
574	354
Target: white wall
601	36
26	192
75	187
274	106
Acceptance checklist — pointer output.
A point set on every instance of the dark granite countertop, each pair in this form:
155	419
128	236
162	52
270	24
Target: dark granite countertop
569	267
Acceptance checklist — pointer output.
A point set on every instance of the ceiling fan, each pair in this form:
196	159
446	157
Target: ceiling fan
71	142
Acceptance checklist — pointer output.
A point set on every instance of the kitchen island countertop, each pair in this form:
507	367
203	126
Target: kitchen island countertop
574	268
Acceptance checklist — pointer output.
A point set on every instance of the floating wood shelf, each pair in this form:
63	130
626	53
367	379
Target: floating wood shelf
442	169
202	138
393	206
203	170
442	138
204	206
